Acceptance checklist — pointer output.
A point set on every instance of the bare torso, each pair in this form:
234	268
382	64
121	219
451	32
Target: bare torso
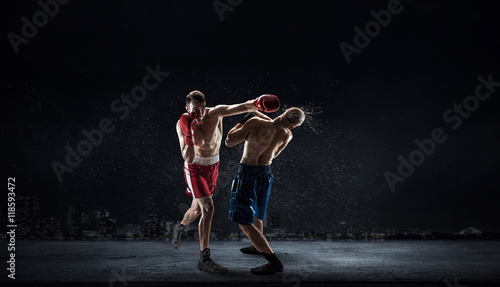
264	142
207	135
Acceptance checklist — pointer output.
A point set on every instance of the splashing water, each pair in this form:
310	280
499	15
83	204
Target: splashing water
312	111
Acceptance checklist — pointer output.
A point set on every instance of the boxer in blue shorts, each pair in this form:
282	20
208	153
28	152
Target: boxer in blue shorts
264	140
250	193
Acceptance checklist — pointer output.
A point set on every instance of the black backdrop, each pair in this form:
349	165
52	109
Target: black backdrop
360	115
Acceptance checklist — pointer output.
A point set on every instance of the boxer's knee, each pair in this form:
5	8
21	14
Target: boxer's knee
196	211
207	208
206	205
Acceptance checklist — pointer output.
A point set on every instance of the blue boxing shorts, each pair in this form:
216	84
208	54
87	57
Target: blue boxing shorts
250	193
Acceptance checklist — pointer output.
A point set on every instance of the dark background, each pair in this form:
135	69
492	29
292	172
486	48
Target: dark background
360	116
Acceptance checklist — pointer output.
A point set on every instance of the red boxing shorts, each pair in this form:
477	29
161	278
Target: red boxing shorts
201	176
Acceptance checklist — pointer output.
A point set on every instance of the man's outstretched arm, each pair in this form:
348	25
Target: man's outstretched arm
266	103
239	132
230	110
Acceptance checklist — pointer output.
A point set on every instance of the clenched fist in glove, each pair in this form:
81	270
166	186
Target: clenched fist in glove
187	122
267	103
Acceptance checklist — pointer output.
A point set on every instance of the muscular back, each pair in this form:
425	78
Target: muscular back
264	141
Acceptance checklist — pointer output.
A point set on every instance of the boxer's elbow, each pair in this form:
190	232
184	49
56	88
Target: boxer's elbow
228	142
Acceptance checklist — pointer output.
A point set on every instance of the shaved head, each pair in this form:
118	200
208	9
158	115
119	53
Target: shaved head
293	117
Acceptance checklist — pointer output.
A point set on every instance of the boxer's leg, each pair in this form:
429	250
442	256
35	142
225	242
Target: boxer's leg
192	213
259	225
206	186
206	205
195	184
207	211
262	192
257	238
251	249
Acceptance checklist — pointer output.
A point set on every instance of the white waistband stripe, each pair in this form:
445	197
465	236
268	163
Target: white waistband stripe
199	160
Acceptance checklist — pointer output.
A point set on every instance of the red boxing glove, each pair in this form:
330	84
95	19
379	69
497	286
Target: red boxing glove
267	103
187	122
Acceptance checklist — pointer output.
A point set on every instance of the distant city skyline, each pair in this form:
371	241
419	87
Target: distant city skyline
99	223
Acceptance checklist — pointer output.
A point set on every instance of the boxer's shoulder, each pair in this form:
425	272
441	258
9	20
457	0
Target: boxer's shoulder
209	111
257	122
261	121
210	114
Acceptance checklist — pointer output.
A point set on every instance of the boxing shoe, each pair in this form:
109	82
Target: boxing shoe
176	239
273	266
208	265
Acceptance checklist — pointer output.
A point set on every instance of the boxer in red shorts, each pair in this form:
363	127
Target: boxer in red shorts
201	176
200	136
